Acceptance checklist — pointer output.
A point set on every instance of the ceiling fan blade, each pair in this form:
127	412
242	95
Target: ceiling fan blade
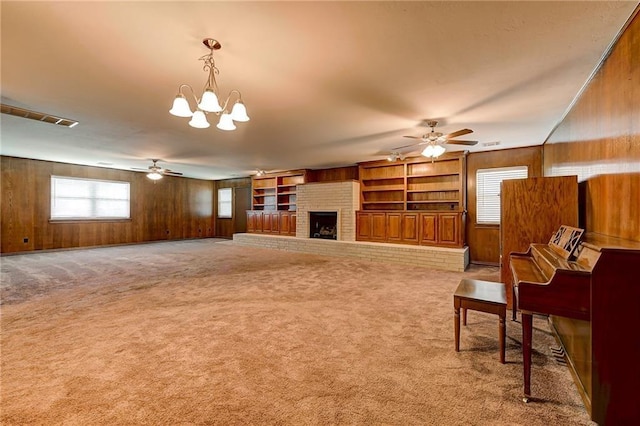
170	172
414	145
139	168
457	142
414	137
458	133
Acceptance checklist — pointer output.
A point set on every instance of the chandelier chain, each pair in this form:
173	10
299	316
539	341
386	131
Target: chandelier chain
210	67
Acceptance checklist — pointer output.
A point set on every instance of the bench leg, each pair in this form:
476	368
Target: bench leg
456	325
464	316
502	337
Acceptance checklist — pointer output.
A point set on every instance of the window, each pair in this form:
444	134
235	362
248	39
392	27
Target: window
87	199
224	202
488	191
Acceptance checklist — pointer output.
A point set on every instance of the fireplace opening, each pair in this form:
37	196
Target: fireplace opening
323	225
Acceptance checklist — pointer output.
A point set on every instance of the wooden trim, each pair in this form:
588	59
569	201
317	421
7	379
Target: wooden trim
92	220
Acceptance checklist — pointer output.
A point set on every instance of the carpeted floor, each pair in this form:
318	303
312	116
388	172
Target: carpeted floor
207	332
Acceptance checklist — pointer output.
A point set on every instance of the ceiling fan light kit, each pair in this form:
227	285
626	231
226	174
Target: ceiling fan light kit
209	101
434	142
433	151
155	172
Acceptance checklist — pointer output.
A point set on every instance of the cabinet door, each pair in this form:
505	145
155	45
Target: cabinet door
287	223
363	226
275	221
448	229
292	224
378	226
394	227
428	228
410	226
284	223
266	222
258	220
251	221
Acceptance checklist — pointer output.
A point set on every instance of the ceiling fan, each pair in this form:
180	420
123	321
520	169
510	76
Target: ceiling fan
434	141
155	172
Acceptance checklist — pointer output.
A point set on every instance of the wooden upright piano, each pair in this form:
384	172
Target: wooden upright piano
593	305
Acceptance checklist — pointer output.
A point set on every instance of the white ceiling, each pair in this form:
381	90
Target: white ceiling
326	83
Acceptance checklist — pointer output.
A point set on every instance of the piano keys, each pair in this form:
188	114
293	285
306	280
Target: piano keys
593	307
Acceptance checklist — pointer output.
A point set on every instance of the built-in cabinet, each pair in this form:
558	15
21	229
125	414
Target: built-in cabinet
274	203
271	222
424	228
415	201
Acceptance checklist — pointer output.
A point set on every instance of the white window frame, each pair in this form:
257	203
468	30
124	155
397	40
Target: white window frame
225	203
94	198
488	191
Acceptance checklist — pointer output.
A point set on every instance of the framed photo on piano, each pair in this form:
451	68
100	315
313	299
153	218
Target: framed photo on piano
565	240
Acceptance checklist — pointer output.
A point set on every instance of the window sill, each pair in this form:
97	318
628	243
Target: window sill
88	220
487	226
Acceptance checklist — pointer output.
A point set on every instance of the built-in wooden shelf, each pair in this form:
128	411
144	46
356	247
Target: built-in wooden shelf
416	180
276	191
273	207
414	201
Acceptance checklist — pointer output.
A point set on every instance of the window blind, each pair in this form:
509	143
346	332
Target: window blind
76	198
224	202
488	191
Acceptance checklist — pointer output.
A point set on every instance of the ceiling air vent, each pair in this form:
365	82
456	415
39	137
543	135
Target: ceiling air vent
39	116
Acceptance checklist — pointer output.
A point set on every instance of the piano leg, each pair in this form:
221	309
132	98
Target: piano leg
527	330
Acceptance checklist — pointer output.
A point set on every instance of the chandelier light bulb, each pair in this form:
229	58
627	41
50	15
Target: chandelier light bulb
226	122
239	112
199	121
209	102
181	107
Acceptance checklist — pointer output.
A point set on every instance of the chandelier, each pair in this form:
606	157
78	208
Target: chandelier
208	102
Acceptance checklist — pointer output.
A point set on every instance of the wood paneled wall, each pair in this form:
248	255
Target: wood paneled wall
611	205
600	136
172	208
484	240
224	227
337	174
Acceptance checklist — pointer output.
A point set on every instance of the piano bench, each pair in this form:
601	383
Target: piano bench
483	296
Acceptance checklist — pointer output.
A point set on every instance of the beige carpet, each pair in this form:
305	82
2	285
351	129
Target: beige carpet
207	332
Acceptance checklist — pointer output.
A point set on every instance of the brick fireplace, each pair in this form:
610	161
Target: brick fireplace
343	198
